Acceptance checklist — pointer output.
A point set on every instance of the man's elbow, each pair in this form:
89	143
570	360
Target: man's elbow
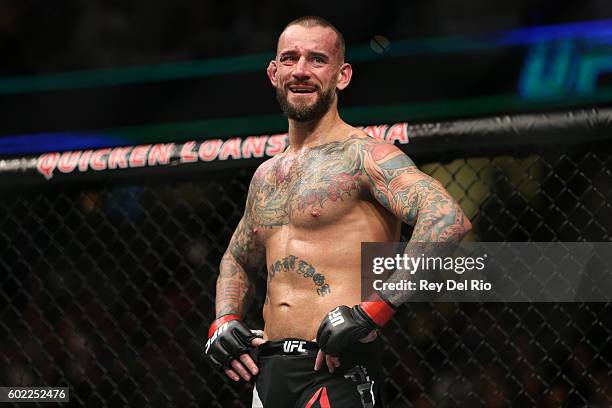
458	224
466	225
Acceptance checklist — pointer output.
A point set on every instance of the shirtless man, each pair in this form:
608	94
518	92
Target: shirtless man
308	210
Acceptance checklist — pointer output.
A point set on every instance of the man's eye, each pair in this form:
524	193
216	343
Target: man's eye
286	58
319	60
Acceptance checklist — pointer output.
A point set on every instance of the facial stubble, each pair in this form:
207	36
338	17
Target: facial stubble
303	112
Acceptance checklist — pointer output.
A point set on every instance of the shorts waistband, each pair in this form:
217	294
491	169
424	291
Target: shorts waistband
288	347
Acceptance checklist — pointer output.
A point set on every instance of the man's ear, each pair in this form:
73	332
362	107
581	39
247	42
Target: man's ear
271	71
344	76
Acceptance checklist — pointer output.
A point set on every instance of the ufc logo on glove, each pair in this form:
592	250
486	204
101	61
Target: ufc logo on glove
335	317
215	335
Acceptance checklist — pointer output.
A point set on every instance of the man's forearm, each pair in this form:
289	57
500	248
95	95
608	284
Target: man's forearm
449	226
441	221
439	218
234	288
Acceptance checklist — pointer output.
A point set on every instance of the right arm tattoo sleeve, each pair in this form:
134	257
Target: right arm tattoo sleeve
242	258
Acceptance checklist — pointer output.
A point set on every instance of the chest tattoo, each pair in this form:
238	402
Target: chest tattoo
291	186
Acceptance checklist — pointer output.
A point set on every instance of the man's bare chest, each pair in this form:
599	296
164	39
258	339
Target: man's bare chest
308	192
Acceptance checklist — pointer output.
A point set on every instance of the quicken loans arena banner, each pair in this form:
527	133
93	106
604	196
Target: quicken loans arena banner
427	141
48	165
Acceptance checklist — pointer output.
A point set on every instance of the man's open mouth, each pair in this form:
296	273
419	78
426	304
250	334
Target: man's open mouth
302	89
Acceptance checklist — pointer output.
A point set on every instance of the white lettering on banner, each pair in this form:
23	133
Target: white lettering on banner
190	151
160	153
231	148
84	161
398	132
276	144
46	164
187	153
118	158
254	146
99	159
209	150
377	132
139	155
68	161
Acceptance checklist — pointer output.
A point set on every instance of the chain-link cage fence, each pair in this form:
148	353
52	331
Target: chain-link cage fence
109	288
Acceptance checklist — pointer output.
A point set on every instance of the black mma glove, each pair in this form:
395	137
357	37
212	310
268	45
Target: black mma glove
228	338
344	326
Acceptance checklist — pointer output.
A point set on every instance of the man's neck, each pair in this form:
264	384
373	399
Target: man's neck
313	133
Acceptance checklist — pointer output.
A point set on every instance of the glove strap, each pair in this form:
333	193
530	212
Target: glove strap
377	309
220	321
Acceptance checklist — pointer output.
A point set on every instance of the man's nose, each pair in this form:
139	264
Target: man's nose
301	69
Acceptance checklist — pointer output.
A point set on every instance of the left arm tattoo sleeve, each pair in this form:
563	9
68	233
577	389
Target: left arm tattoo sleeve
413	196
417	199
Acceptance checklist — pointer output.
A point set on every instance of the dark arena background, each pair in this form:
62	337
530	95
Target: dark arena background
129	133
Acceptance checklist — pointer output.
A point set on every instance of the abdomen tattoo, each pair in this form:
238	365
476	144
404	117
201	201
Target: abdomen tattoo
293	264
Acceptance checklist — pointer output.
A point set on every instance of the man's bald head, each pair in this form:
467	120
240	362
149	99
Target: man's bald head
315	21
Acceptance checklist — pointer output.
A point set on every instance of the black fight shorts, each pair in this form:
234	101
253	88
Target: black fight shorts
287	378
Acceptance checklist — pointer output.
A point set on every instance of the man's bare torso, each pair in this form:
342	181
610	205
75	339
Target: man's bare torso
311	211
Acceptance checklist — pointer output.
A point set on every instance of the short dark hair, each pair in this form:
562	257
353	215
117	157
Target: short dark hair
316	21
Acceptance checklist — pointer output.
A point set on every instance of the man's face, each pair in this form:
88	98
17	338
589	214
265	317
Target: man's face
306	71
